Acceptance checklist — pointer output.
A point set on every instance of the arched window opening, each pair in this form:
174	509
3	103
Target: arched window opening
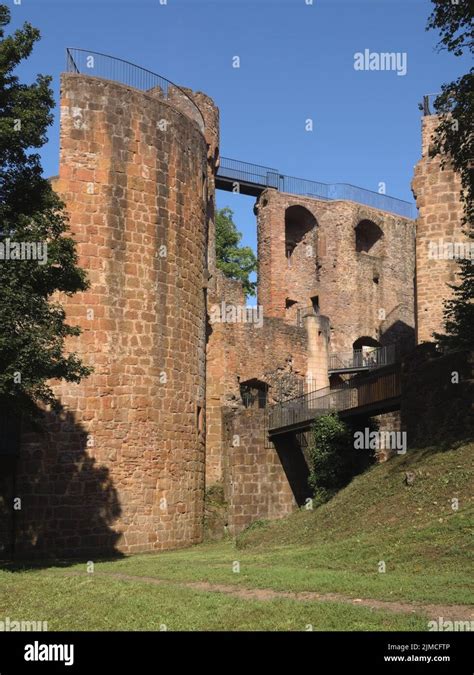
298	222
367	236
254	393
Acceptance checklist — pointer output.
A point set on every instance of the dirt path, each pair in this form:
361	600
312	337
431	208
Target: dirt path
447	612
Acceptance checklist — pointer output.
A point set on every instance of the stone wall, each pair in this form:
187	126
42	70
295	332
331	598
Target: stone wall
221	386
210	113
437	397
364	293
256	485
317	294
273	352
437	194
387	422
123	466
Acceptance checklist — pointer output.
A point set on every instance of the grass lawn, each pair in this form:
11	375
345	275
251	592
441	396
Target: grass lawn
100	603
425	544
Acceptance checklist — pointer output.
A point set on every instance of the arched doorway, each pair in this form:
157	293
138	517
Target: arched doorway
364	351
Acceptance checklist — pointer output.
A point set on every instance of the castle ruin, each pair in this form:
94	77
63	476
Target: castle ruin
178	402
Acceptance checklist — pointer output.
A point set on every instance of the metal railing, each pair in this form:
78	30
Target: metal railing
428	104
245	172
309	406
299	412
359	359
236	170
95	64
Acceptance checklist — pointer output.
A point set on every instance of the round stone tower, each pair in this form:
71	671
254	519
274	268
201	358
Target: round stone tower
126	458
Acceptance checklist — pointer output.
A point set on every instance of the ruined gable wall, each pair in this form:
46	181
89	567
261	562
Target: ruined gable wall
361	293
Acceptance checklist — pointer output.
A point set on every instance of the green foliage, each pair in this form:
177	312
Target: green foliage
454	140
236	262
147	604
454	143
32	326
214	494
257	525
333	458
454	22
425	542
459	311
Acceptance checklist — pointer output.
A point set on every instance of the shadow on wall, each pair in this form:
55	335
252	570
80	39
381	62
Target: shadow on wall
294	465
437	397
68	502
400	334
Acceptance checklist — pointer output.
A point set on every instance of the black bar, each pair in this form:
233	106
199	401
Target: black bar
347	652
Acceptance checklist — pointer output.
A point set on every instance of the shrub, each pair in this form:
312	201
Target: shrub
333	459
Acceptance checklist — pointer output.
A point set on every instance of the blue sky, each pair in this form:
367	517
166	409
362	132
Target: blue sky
296	62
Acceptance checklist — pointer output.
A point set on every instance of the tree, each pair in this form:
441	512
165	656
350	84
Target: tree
453	142
459	311
453	19
236	262
33	225
332	457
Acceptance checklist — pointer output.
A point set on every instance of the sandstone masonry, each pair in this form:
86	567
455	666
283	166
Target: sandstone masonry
437	193
177	401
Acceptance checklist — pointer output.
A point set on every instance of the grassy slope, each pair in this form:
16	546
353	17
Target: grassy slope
424	543
378	507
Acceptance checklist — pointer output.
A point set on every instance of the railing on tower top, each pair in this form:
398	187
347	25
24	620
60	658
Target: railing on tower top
428	104
96	64
266	177
86	62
